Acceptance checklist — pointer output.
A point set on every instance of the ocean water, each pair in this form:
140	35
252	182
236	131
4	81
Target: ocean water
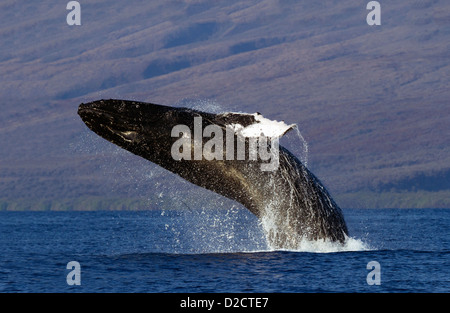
219	250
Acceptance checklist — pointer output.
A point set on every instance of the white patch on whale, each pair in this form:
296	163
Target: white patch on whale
262	127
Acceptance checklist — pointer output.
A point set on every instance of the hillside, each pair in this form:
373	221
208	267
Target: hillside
372	102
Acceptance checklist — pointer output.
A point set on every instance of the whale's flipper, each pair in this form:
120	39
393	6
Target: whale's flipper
289	194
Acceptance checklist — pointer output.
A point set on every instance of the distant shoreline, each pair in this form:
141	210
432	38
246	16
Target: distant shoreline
359	200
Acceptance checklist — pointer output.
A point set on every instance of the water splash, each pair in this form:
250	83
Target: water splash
291	230
277	229
205	105
234	230
216	225
305	148
207	230
296	144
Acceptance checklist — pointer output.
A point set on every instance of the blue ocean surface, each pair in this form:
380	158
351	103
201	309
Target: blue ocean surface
220	250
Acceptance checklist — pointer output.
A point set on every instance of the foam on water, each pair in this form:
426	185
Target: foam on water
326	246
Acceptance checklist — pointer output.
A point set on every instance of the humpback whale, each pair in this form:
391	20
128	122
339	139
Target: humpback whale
292	202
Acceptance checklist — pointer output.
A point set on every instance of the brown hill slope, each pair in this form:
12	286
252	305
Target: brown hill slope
371	101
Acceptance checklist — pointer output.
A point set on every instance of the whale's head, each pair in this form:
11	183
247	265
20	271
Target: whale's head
139	127
147	129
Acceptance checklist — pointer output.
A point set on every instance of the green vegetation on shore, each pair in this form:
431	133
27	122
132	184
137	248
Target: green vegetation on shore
82	204
401	200
365	199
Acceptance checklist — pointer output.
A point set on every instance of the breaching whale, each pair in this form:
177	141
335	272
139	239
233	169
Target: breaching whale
289	198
